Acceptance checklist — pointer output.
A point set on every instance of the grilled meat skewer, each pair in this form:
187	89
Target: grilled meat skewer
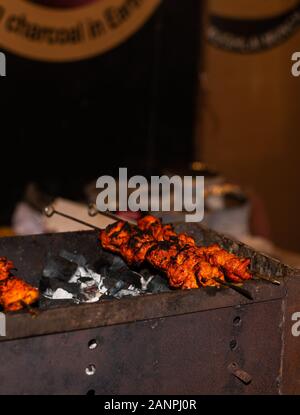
235	268
135	243
185	264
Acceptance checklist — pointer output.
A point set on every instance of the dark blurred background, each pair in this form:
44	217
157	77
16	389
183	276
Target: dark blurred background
206	81
64	124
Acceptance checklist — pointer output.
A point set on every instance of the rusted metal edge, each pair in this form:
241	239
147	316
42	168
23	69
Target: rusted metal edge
282	354
128	310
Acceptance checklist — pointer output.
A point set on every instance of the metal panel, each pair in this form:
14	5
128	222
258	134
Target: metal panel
182	342
187	354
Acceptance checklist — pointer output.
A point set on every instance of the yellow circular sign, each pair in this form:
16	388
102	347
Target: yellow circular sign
70	33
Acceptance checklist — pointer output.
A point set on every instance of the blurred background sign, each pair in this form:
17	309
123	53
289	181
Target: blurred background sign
69	30
65	122
244	31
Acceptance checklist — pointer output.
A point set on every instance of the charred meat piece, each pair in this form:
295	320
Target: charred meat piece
135	250
236	269
163	232
162	254
184	263
115	235
5	268
15	294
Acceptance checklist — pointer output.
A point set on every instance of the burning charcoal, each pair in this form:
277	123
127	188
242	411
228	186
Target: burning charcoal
53	284
91	294
87	283
58	267
110	283
86	280
58	294
61	294
104	271
145	282
130	291
119	285
132	278
83	272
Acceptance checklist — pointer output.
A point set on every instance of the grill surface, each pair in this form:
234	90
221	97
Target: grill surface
176	342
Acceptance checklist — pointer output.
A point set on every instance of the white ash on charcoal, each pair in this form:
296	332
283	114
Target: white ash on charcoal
68	278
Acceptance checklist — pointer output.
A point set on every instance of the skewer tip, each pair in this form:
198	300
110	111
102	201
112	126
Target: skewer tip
92	210
49	211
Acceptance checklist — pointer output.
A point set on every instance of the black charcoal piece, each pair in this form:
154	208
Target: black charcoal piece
85	279
118	264
119	285
55	283
74	258
103	271
104	259
58	267
110	282
158	285
131	278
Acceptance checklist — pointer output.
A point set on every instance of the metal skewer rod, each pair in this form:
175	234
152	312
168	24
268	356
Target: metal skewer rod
93	211
265	278
240	290
50	211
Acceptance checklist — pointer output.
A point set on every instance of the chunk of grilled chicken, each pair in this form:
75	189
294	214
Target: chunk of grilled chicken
236	269
16	293
163	232
115	235
135	250
183	267
5	268
185	264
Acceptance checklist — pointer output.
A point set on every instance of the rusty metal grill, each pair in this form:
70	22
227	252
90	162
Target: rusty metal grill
205	341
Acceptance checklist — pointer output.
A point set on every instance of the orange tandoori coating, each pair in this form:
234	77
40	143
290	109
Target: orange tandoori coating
236	269
5	267
184	263
14	292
